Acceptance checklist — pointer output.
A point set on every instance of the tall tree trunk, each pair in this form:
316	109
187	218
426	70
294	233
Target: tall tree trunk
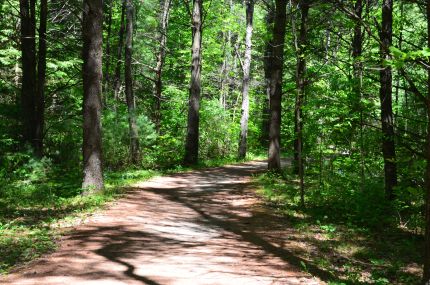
268	57
426	273
117	77
357	51
192	141
385	94
246	78
28	89
106	75
300	85
41	78
92	81
158	86
129	96
274	159
225	83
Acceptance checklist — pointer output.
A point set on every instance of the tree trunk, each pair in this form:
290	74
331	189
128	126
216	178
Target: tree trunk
192	141
92	81
274	159
131	105
246	78
225	83
117	77
28	89
41	78
158	86
357	50
268	57
385	94
106	75
426	273
300	85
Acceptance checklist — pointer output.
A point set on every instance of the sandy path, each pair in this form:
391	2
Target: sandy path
199	227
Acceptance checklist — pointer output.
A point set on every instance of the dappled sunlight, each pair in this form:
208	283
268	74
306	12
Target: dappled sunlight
178	230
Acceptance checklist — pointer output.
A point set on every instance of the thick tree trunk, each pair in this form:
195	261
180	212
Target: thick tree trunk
300	85
129	96
426	273
41	76
385	94
117	76
274	159
246	78
192	141
268	58
28	60
92	79
158	86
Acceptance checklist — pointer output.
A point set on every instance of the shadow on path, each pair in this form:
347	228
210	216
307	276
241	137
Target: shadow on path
199	227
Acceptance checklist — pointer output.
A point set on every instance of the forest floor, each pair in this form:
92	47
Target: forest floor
197	227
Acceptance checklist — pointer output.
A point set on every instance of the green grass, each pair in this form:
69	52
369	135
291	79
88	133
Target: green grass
350	234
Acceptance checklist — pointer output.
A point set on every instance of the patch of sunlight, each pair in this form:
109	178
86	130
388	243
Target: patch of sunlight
349	249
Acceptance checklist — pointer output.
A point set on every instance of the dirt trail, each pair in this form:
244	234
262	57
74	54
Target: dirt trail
199	227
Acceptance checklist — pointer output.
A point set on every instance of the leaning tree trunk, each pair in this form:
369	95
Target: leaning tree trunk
246	78
28	60
300	85
385	94
131	105
92	81
274	159
192	141
158	84
41	76
426	273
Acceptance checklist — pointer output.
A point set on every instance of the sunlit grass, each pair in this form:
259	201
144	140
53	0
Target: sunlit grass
337	236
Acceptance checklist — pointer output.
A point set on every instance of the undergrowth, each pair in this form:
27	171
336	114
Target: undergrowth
351	233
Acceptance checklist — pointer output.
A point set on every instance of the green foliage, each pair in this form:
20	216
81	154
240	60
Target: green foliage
116	138
355	233
218	137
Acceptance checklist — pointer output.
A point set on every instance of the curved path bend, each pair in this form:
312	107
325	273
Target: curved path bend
199	227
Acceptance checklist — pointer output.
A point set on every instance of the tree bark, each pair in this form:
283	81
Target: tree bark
41	78
268	57
92	81
385	94
228	62
28	60
426	272
192	140
131	104
246	80
274	159
117	77
158	84
301	86
106	75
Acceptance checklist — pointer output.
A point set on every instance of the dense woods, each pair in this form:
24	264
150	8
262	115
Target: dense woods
339	89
